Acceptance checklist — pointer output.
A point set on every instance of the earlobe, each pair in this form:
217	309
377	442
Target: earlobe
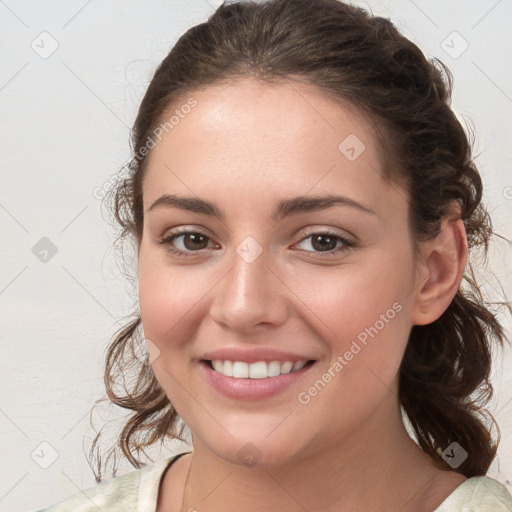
444	259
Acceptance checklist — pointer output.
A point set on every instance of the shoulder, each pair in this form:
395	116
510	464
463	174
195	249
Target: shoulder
479	493
139	487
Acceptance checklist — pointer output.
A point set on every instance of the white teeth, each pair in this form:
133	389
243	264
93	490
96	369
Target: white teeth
273	369
298	365
227	370
258	370
240	370
217	365
286	367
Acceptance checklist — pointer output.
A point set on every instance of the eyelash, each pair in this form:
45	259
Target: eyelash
348	244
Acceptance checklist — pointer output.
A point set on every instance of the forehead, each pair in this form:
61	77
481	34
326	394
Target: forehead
258	140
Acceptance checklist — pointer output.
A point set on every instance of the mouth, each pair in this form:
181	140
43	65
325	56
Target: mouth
256	370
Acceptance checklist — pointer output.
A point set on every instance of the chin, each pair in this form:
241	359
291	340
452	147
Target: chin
260	451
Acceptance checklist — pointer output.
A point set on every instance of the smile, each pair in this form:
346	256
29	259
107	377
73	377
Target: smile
256	370
253	381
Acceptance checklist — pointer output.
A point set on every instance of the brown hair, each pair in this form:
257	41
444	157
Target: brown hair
355	57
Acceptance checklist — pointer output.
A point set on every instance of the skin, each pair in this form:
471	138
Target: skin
245	146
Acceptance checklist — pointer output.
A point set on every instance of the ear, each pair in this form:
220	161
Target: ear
441	266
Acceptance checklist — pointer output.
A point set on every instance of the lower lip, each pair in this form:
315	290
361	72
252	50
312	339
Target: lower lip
252	389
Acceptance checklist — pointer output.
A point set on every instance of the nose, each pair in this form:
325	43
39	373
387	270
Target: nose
251	294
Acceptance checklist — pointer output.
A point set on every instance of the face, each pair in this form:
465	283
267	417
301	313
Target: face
258	275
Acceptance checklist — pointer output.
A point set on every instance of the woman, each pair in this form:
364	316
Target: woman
303	202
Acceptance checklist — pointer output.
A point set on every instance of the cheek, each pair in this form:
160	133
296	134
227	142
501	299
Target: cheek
362	315
366	330
170	309
351	300
169	297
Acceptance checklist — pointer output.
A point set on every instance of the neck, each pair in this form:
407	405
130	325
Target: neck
377	467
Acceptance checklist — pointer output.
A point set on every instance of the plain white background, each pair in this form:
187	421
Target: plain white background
71	77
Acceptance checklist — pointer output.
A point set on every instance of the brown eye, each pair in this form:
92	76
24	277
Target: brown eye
326	242
194	241
323	242
189	243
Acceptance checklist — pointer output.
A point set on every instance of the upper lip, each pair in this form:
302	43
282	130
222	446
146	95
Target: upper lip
253	355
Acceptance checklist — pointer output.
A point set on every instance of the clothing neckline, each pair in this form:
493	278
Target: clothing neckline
454	495
149	486
475	484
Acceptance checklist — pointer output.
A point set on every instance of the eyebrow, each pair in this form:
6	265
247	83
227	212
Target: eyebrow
283	208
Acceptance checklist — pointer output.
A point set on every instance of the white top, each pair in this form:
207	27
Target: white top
140	488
